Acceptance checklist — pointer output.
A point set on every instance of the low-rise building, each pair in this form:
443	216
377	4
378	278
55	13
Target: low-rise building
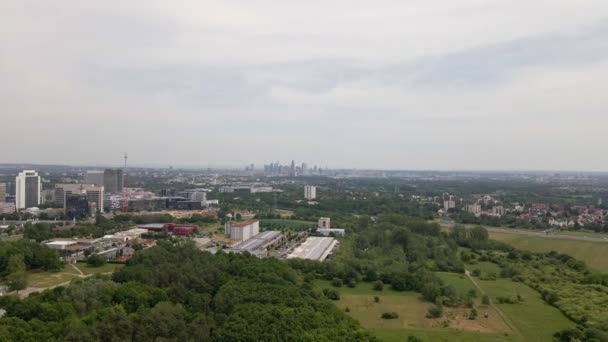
314	248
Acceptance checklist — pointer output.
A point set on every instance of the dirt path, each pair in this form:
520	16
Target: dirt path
500	313
77	269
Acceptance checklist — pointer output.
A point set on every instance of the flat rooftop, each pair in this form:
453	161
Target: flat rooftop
314	248
255	242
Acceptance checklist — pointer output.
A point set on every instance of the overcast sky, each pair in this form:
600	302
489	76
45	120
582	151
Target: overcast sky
417	84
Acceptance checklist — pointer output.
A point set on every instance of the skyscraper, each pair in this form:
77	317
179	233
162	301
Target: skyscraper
28	187
113	180
2	192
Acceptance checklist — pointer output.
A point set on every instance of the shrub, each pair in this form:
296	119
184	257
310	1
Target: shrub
485	300
476	272
378	285
376	299
473	314
435	311
96	260
332	294
413	339
336	282
390	315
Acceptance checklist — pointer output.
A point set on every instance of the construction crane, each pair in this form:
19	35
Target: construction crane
125	192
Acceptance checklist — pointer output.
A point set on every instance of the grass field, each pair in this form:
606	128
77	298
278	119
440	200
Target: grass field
401	335
106	268
364	288
47	279
412	321
579	233
535	319
283	212
286	223
592	253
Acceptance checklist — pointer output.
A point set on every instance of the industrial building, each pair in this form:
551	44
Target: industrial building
127	235
170	228
331	231
243	230
258	244
314	248
28	188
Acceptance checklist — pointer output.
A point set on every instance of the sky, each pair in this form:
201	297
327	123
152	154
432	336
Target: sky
417	84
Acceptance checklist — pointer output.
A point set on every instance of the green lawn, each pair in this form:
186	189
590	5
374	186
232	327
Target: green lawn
286	223
535	319
106	268
401	335
459	281
592	253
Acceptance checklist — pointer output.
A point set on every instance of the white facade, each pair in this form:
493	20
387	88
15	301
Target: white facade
310	192
242	231
325	222
28	189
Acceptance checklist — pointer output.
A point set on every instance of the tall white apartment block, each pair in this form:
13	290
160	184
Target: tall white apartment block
310	192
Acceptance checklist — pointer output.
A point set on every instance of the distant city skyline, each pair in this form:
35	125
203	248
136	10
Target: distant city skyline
420	85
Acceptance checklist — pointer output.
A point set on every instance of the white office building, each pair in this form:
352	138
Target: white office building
28	188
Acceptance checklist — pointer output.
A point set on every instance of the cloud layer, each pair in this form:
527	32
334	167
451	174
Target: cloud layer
466	84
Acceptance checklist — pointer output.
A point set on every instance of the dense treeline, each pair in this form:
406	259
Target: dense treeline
35	256
173	292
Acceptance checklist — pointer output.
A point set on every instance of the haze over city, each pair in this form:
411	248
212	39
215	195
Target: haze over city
385	84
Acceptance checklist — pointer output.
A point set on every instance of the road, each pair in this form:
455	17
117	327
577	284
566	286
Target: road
544	234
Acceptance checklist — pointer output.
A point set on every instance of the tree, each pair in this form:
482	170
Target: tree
336	282
16	273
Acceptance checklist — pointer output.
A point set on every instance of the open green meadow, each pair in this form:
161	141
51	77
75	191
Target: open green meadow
592	253
534	318
48	279
359	303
